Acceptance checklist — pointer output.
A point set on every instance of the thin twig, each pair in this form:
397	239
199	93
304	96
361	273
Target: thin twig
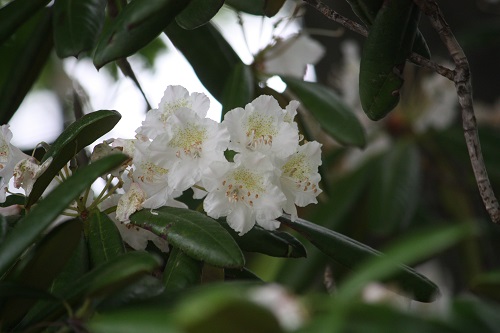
334	16
463	85
460	76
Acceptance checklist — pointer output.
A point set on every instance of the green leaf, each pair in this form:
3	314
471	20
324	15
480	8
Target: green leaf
272	243
471	314
254	7
14	14
382	318
240	274
394	191
208	310
332	114
487	285
198	13
29	229
132	320
350	253
104	240
199	236
139	23
208	52
239	88
75	137
181	271
77	24
121	271
38	271
343	199
273	7
143	289
367	11
104	280
407	250
23	57
385	50
268	8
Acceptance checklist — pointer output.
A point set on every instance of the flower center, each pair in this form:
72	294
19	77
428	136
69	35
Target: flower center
169	108
188	140
243	185
152	172
260	131
298	170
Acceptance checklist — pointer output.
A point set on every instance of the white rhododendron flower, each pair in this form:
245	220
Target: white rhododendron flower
177	148
27	171
175	98
136	237
290	56
299	177
245	192
9	157
150	176
261	127
130	202
188	146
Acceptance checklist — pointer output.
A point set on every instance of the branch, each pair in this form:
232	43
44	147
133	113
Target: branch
463	85
460	76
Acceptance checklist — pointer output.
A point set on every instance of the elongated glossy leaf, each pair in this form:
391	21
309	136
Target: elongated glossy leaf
239	88
15	14
208	52
272	243
48	258
105	242
29	229
141	290
75	137
350	253
198	13
408	250
181	271
103	280
137	25
384	54
255	7
345	194
23	57
115	274
273	7
394	192
335	117
268	8
199	236
77	24
367	10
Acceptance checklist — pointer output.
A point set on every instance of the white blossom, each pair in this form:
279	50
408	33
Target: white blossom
290	56
175	98
299	177
9	157
27	171
151	177
261	127
188	146
130	202
245	192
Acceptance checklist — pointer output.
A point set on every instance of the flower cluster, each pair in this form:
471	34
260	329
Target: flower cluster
177	148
